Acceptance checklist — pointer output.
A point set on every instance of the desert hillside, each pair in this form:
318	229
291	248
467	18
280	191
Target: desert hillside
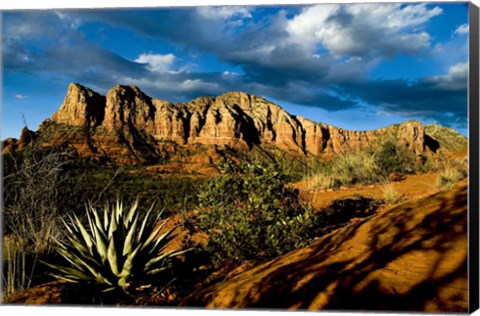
411	257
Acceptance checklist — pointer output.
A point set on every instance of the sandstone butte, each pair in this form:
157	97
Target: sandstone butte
233	118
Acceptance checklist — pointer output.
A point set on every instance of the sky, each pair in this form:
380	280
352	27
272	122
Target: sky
356	66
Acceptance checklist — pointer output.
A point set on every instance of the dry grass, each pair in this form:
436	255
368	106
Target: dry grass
447	178
453	172
390	194
14	269
346	170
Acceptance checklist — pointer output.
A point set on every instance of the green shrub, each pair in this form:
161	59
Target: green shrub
90	182
364	167
348	170
249	214
114	252
392	157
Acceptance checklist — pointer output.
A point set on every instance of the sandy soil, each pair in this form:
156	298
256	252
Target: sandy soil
412	187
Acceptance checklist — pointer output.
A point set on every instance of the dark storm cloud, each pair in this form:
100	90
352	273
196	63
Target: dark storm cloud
440	98
41	42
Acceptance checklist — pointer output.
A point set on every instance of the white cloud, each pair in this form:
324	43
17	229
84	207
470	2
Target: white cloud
456	77
458	71
310	26
462	29
20	97
224	13
157	62
198	85
360	29
73	21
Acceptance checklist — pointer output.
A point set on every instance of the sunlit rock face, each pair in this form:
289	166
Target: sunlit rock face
233	118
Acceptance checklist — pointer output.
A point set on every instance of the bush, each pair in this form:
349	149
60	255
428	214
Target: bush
452	172
31	183
90	182
392	157
364	167
249	214
115	252
348	170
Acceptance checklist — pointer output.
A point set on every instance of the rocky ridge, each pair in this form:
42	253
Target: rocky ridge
146	127
228	118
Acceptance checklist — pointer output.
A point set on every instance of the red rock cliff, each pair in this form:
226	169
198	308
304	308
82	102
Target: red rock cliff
231	118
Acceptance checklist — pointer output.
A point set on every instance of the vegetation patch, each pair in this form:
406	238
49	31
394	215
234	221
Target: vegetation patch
451	172
390	194
115	251
365	167
249	214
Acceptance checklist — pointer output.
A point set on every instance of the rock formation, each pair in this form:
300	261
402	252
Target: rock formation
82	106
233	118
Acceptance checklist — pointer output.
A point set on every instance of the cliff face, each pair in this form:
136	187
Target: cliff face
82	106
233	118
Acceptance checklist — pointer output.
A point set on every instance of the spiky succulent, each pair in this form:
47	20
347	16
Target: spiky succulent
116	251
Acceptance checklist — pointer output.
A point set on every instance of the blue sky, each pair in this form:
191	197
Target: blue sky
355	66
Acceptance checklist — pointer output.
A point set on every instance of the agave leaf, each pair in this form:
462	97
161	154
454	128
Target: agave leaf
98	222
113	225
74	259
57	242
70	258
152	236
162	241
90	223
129	240
109	289
112	256
78	245
118	211
69	229
159	215
97	275
105	219
140	233
101	244
122	282
87	262
128	265
72	273
129	218
155	271
66	273
86	237
67	279
170	254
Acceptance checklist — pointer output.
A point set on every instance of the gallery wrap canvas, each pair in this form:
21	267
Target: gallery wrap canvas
280	157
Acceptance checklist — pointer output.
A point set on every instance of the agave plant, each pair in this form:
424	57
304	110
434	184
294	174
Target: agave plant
116	252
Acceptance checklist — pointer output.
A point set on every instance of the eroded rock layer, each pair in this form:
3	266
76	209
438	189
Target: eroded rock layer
233	118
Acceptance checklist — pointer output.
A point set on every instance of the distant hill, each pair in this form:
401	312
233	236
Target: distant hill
127	126
448	138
